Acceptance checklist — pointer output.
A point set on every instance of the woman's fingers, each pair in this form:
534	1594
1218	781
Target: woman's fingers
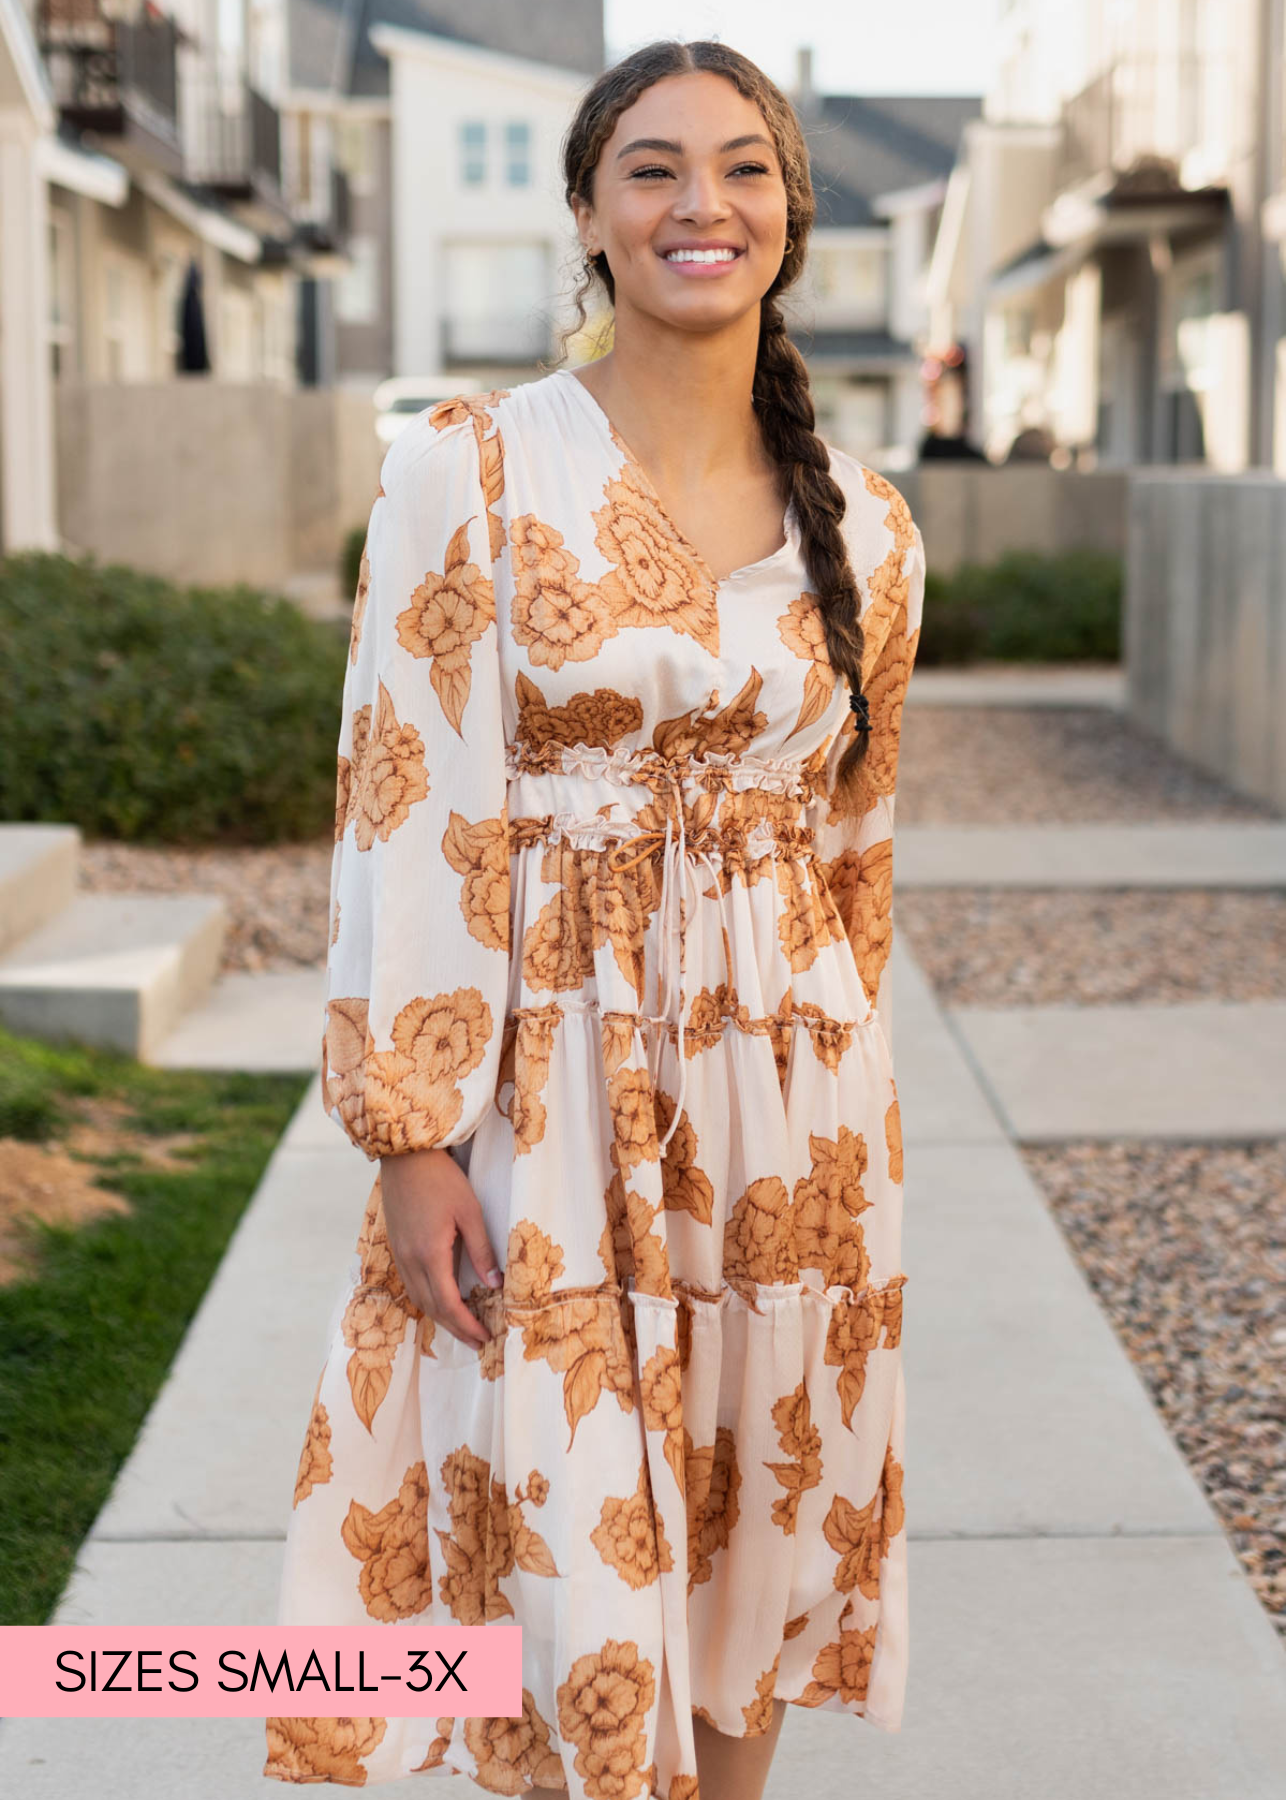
448	1309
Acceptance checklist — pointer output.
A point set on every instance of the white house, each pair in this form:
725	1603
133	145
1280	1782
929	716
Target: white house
484	249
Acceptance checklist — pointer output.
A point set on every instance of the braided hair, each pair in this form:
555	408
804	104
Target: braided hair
781	391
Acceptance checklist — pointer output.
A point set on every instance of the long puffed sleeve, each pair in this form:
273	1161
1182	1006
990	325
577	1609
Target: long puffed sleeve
856	847
418	962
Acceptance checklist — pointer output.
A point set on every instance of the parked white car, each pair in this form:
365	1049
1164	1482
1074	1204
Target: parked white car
398	401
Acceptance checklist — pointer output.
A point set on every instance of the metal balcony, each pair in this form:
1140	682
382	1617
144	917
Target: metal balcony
116	80
234	148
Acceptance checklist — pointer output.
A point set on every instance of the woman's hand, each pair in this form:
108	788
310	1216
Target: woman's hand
427	1201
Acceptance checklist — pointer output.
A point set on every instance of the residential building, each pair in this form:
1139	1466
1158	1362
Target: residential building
444	117
880	165
1107	246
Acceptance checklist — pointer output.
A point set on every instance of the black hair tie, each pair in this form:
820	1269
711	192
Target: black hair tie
861	711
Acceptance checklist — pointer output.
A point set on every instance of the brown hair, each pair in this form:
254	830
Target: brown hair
782	396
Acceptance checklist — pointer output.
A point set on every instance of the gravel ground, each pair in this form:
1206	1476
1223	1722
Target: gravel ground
1185	1246
278	897
1017	765
1040	947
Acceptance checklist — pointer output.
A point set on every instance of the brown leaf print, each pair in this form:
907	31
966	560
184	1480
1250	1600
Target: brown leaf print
801	630
662	1394
862	1535
583	1340
491	470
598	720
758	1238
853	1332
435	1756
712	730
618	1032
842	1668
684	1186
316	1465
465	407
447	615
861	886
322	1749
480	853
392	1546
890	584
554	615
359	602
712	1484
801	1442
793	1627
512	1754
653	580
375	1322
524	1064
629	1537
602	1709
388	774
828	1201
759	1714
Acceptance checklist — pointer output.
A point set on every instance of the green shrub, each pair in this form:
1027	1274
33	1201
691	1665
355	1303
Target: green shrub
350	559
143	711
1025	607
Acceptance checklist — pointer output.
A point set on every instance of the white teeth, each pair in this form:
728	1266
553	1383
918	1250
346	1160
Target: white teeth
700	256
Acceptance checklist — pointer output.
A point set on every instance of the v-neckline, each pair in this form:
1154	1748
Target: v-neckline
690	550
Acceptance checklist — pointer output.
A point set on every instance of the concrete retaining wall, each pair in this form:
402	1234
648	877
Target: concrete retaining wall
971	512
210	481
1205	622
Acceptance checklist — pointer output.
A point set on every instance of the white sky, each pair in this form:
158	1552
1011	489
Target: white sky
859	46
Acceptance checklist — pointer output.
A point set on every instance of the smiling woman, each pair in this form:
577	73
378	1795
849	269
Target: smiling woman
620	1356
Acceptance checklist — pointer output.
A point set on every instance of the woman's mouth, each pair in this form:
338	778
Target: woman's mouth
701	262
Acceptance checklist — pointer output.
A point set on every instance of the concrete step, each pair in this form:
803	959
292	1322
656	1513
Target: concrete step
270	1020
114	969
38	870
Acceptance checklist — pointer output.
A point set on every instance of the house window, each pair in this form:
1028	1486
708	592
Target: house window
518	153
473	152
357	289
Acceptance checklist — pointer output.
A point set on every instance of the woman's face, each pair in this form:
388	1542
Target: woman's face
691	166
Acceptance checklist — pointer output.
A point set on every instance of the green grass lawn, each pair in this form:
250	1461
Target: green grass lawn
89	1330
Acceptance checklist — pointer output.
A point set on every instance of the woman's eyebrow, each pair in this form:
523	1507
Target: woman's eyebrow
666	144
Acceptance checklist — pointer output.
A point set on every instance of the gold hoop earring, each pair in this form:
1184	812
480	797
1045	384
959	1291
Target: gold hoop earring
790	245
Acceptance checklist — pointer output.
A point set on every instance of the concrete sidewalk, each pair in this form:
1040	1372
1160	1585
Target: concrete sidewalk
1079	1621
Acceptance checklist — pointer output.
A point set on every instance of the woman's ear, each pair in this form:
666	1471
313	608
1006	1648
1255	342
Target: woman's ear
584	215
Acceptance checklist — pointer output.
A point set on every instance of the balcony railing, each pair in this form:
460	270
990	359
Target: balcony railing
235	141
112	78
1151	109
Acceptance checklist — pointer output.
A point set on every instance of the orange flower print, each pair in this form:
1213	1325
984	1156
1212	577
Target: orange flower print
447	615
862	1535
583	1340
713	1481
558	946
828	1201
633	1108
758	1238
759	1714
388	774
662	1394
514	1754
524	1065
533	1262
629	1537
801	1442
685	1187
480	853
893	1137
465	407
842	1668
631	1249
478	1550
555	616
801	630
653	580
684	1787
862	889
618	1031
853	1332
392	1546
889	585
405	1098
829	1038
322	1749
804	923
315	1463
374	1324
602	1708
713	730
491	471
599	719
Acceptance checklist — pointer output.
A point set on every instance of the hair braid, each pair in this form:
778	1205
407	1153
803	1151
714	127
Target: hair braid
781	391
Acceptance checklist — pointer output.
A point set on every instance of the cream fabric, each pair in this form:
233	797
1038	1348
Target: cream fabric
596	925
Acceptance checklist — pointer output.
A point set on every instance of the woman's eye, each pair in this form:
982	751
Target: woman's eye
742	168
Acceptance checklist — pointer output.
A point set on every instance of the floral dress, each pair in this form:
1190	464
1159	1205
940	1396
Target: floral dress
598	928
